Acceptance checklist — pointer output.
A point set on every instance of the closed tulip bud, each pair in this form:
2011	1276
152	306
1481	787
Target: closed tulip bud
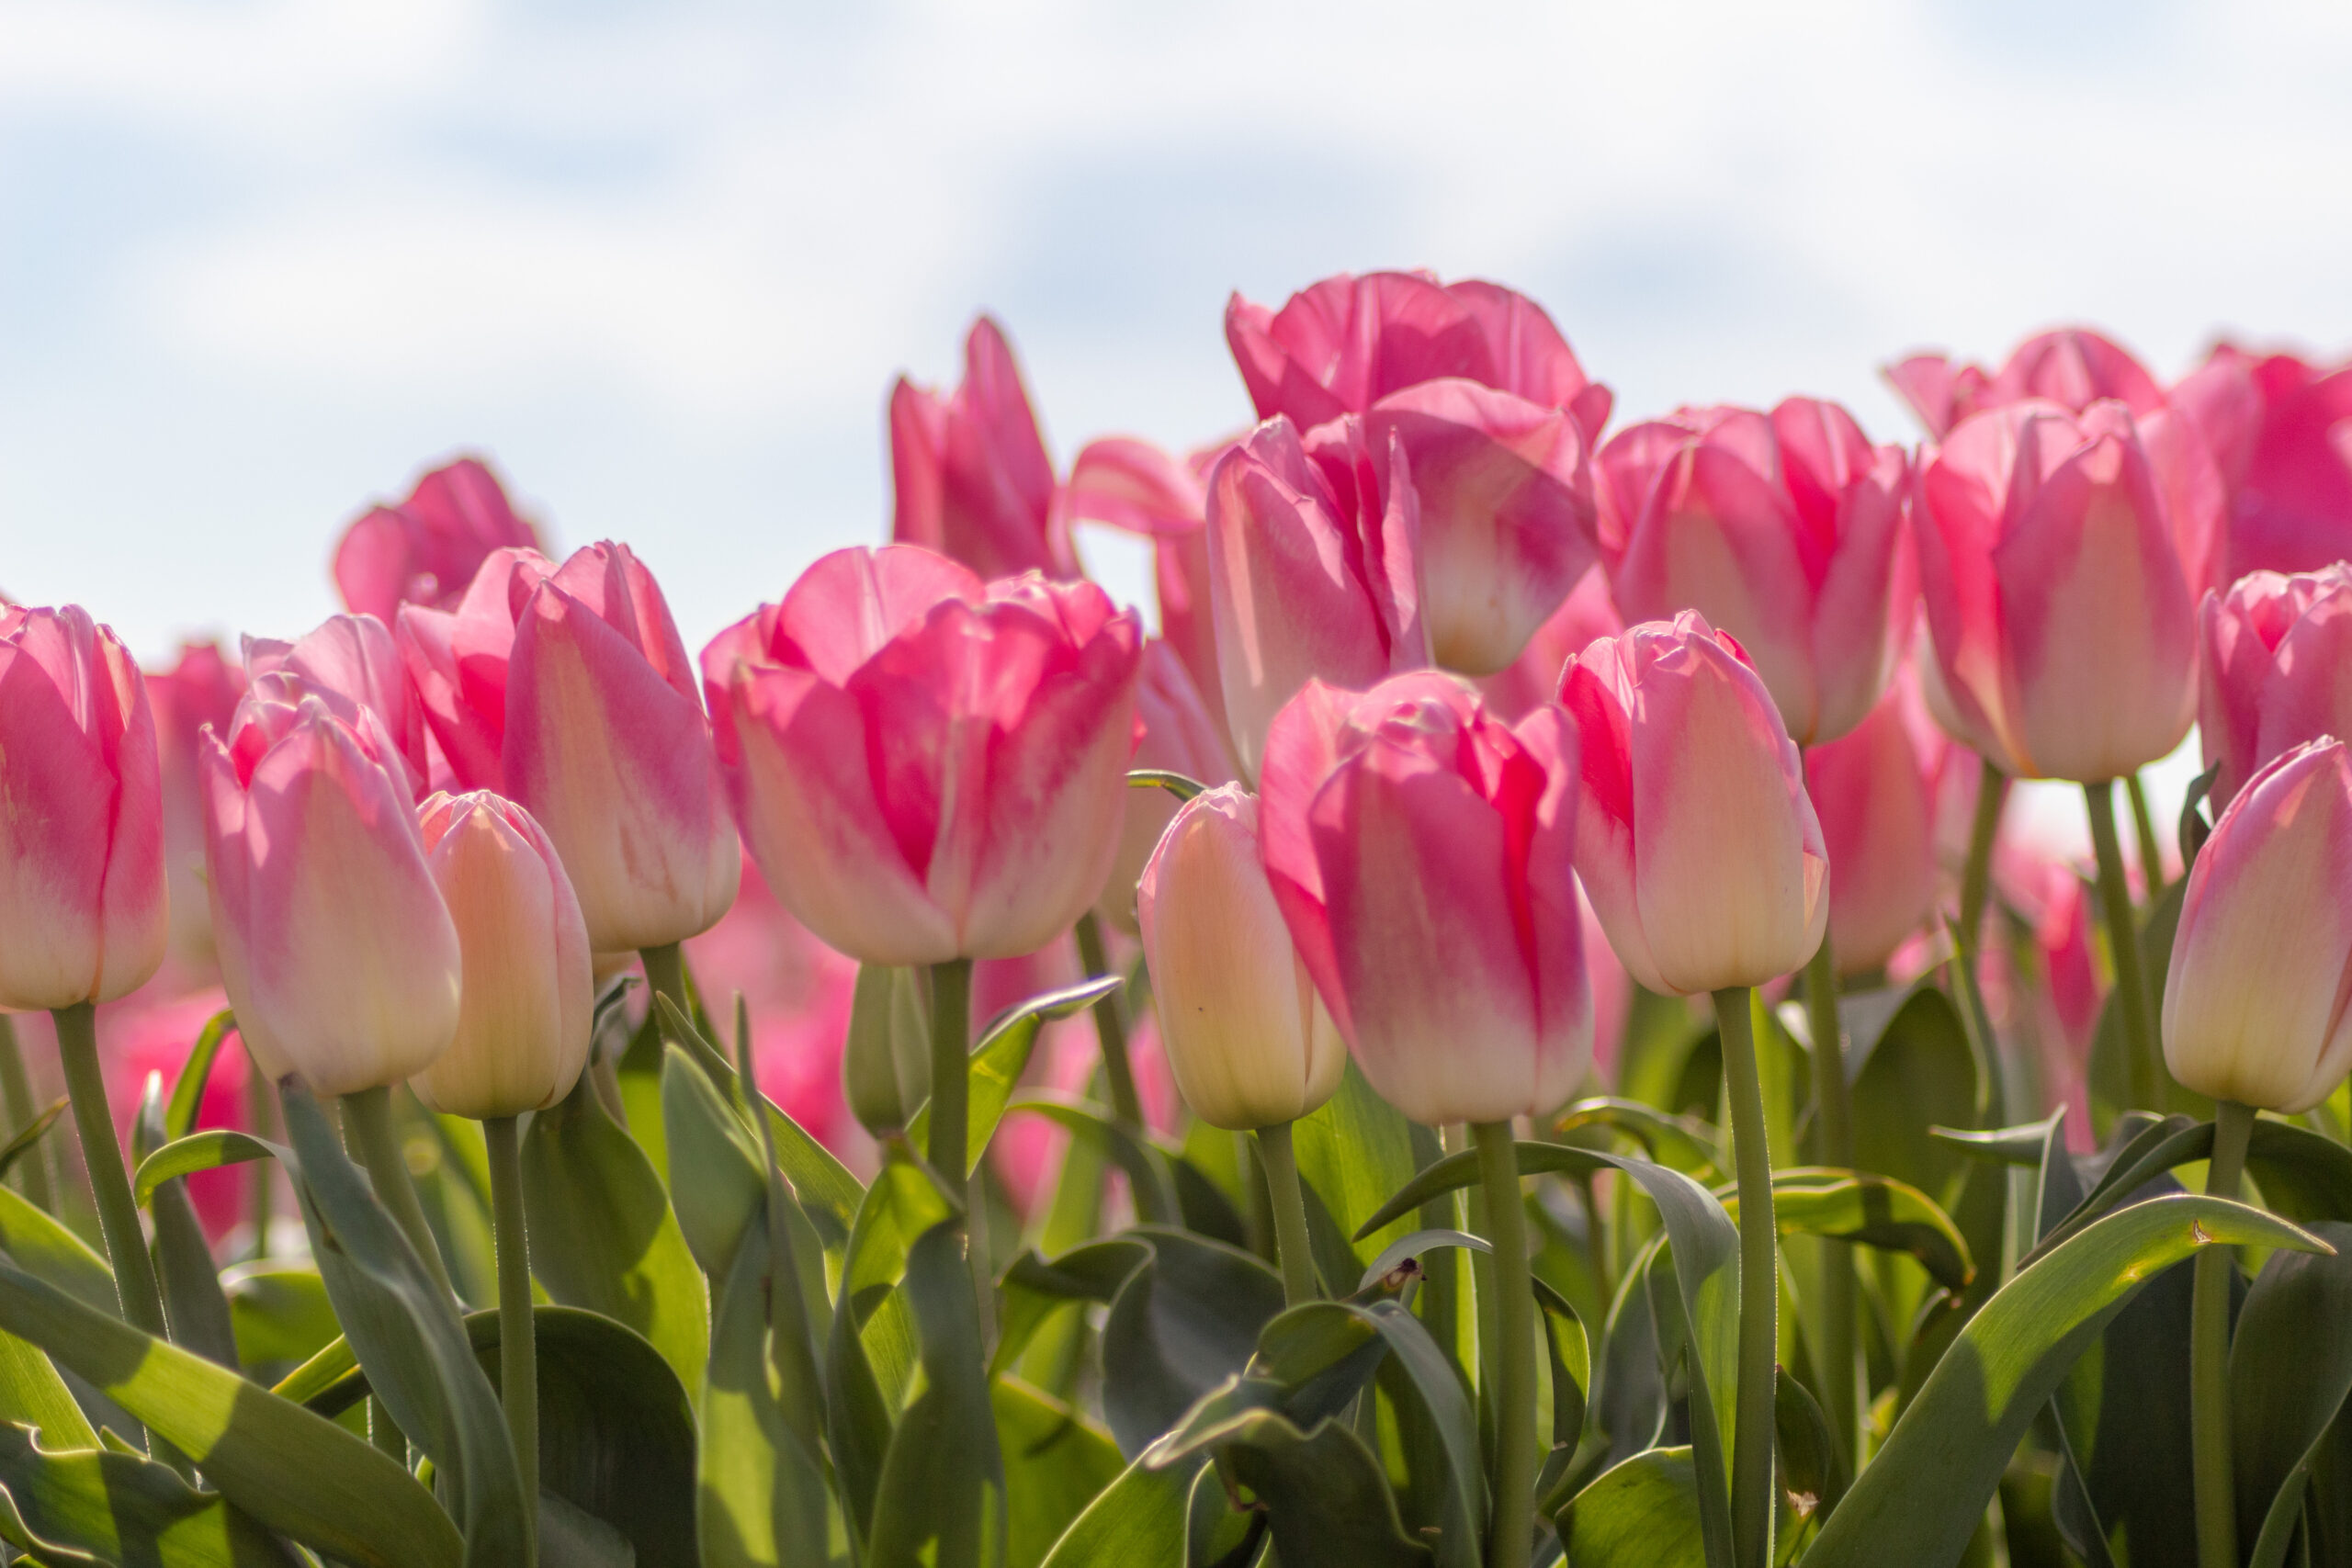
425	549
1250	1044
524	1015
83	914
1783	529
2277	670
970	471
926	766
1179	737
1306	583
1874	792
337	949
2061	571
1419	850
2253	1008
1696	841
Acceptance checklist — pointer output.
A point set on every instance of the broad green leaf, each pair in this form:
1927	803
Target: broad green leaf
1411	1247
1327	1499
2303	1176
33	1395
1569	1351
40	1245
2290	1367
1217	1534
120	1507
1917	1501
886	1062
193	1309
1136	1522
296	1472
279	1313
187	1090
1812	1467
995	1063
941	1501
1144	1162
1034	1290
1056	1461
1182	1322
1456	1171
1921	1073
207	1150
761	1487
603	1236
716	1183
1628	1397
1642	1514
28	1138
1355	1150
869	1359
1876	1211
1683	1142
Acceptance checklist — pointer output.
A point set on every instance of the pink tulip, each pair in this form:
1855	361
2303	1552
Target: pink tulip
201	688
970	470
424	550
83	916
2281	429
2277	670
1419	849
926	766
2253	1005
1783	529
337	950
1306	583
1873	793
353	662
1534	678
1495	419
2060	583
1697	842
566	689
1179	737
2072	366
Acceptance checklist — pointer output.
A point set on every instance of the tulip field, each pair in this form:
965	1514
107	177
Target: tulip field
1521	1022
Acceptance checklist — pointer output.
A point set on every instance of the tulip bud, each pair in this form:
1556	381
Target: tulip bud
2277	670
926	766
1250	1044
2253	1008
1420	851
1179	737
1696	844
424	550
337	949
523	1017
83	915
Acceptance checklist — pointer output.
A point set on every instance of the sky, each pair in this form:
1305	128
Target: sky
261	261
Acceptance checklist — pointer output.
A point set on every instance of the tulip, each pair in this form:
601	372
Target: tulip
522	1016
1873	791
2060	590
970	471
927	767
1535	676
1249	1043
1697	843
1495	419
353	662
200	688
2277	670
336	948
2072	366
1783	529
2280	430
1178	737
83	915
567	690
424	550
1305	584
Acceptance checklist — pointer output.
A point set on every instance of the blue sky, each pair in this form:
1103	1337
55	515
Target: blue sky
261	261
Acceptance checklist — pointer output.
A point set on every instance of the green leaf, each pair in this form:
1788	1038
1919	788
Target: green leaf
1812	1468
1919	1498
1182	1322
40	1245
1136	1522
1411	1247
33	1395
279	1313
1327	1499
2303	1176
886	1062
1355	1150
193	1309
870	1355
995	1063
716	1183
1919	1075
1144	1163
940	1502
1175	784
761	1487
1456	1171
28	1138
1056	1461
119	1507
2290	1367
1683	1142
294	1472
1642	1514
1569	1352
603	1236
187	1090
207	1150
1876	1211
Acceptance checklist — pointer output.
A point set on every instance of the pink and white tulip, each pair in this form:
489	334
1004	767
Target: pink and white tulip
353	662
971	472
1873	790
2277	670
2280	431
1178	737
202	687
1696	841
425	549
2072	366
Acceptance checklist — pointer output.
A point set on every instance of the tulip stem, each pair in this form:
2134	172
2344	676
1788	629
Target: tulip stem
16	1095
86	1083
259	1121
2145	1070
950	1005
1110	1027
1510	1535
1759	1287
665	971
1976	875
518	1357
1833	1124
2151	854
2209	1352
367	1128
1274	1152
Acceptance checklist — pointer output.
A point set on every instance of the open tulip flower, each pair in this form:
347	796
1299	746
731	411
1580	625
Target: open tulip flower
2072	366
425	549
2280	431
970	470
2277	670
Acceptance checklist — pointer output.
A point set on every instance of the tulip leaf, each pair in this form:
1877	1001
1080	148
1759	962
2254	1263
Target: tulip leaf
296	1472
279	1313
33	1395
1144	1163
941	1496
2291	1368
1921	1495
207	1150
1354	1150
2304	1176
1875	1210
28	1138
1456	1171
1137	1521
194	1308
1644	1513
1395	1253
995	1063
1175	784
1683	1142
96	1505
1327	1499
603	1235
187	1090
1920	1073
1815	1472
761	1487
1182	1322
1057	1462
716	1181
1568	1351
870	1355
886	1061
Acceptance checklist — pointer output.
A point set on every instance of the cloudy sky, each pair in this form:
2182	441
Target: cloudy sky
260	260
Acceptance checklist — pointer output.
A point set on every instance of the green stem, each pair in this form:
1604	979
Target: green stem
2151	854
367	1128
518	1356
2146	1069
951	1048
2208	1353
86	1082
1833	1122
1976	875
260	1121
1760	1288
1510	1535
1290	1214
1110	1027
17	1097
